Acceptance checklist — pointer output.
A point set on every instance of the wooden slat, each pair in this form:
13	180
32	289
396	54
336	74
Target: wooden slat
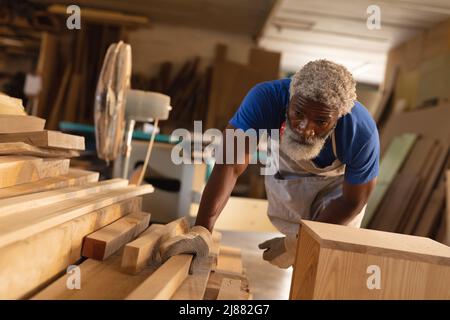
165	281
104	242
230	289
392	161
16	170
100	280
75	177
41	199
13	124
431	212
24	224
27	264
138	253
194	287
21	148
46	138
229	261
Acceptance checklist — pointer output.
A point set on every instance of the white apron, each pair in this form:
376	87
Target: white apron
299	190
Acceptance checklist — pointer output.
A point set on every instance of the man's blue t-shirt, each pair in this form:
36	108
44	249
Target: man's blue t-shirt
357	141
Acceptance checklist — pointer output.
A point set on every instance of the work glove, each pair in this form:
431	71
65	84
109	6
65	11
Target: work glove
197	242
280	251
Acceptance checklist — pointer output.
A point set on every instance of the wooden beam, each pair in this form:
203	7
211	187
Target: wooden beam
25	224
16	170
194	287
230	289
36	200
104	242
138	253
30	263
165	281
47	139
14	123
21	148
75	177
229	261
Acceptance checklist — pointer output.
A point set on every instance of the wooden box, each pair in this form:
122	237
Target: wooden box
339	262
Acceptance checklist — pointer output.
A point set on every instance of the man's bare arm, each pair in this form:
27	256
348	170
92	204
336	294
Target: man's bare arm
219	187
343	209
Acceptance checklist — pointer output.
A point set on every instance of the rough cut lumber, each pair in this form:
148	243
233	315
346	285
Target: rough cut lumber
75	177
104	242
16	170
230	289
100	280
21	148
11	105
392	161
27	223
215	282
29	263
197	242
194	287
340	262
46	139
229	261
165	281
138	253
14	123
41	199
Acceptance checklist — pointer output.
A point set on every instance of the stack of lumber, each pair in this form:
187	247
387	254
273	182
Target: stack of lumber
47	208
123	262
412	191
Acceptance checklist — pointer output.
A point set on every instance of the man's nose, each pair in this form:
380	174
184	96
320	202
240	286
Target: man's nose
305	128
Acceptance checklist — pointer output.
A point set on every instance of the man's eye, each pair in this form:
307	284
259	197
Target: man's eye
323	123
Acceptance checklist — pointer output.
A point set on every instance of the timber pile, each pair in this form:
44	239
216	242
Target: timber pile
47	209
412	189
121	264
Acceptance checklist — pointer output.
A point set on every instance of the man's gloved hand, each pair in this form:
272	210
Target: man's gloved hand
280	251
196	242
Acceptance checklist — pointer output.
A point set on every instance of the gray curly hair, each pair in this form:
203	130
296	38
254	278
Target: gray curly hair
325	82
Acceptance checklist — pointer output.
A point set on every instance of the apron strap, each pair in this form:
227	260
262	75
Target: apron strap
333	143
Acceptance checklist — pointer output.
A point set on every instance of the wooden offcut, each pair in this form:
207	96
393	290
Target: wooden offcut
31	262
138	253
15	170
229	261
47	139
36	200
21	148
230	289
18	123
30	222
165	281
104	242
75	177
338	262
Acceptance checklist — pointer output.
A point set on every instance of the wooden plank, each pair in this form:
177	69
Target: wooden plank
215	281
392	161
104	242
75	177
96	276
229	261
27	223
13	124
194	287
47	139
21	148
230	289
432	174
165	281
36	200
431	212
28	264
16	170
138	253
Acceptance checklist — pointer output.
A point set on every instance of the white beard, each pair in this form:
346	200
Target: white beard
297	151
